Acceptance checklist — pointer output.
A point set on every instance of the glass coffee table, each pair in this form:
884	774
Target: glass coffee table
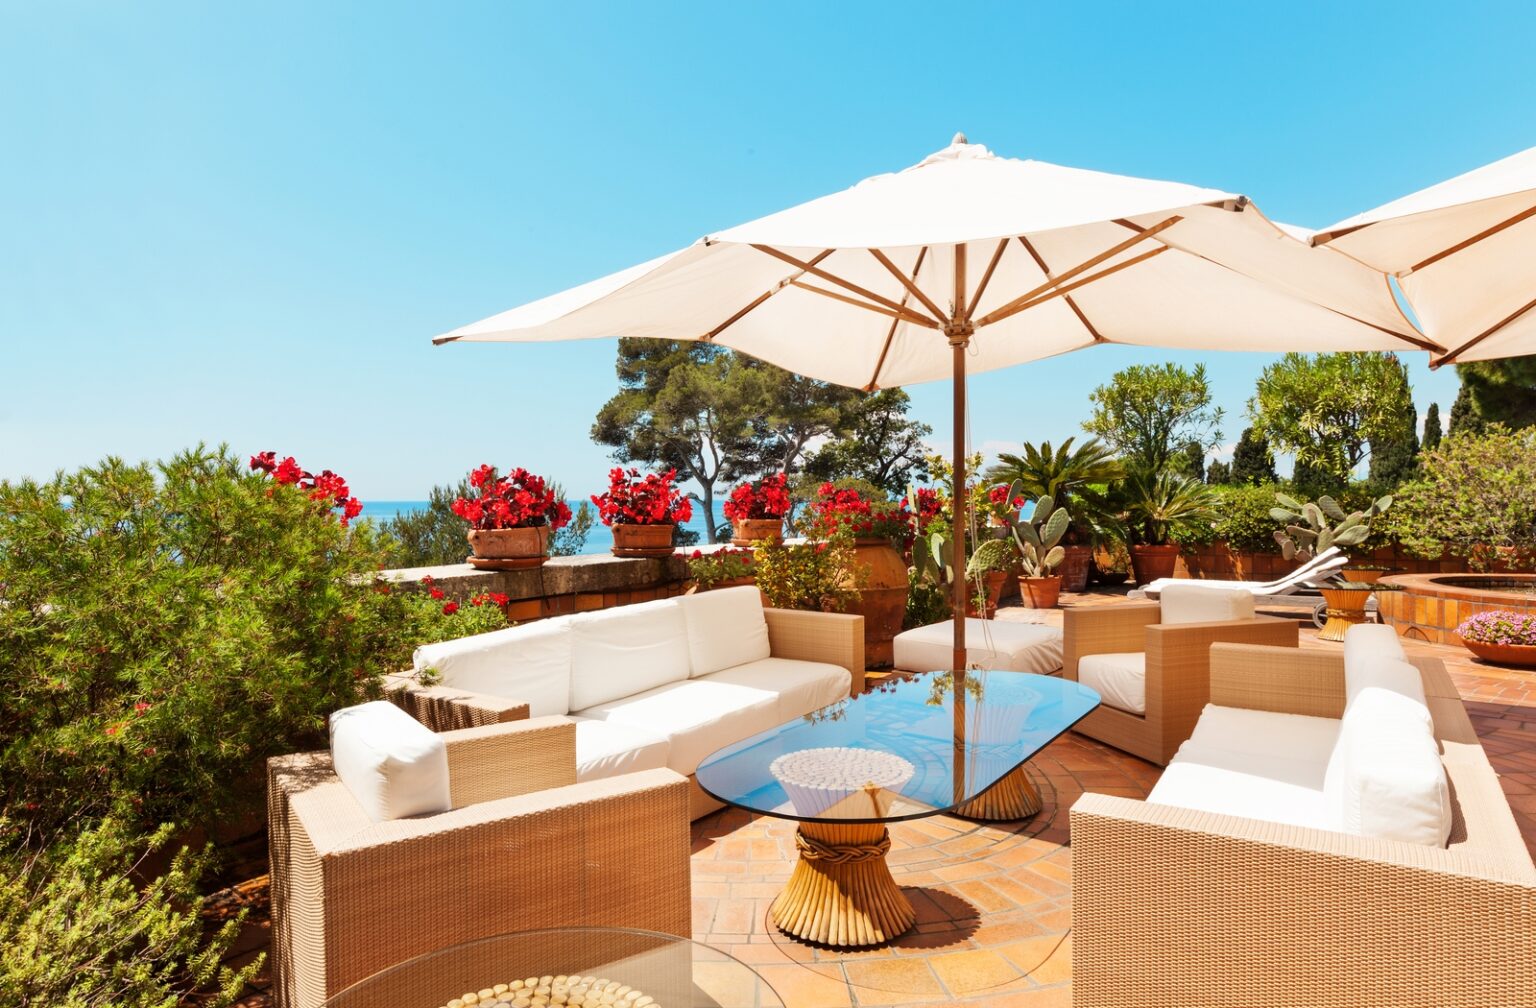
591	967
934	743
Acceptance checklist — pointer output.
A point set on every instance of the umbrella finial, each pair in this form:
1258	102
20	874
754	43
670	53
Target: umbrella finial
959	139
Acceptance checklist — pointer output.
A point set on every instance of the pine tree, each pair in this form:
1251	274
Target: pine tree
1395	460
1464	418
1252	461
1432	431
1218	473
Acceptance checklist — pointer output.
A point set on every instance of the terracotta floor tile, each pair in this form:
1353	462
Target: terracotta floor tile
966	973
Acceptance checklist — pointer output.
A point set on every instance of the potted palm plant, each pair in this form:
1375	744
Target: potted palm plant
644	510
1074	478
511	519
1157	508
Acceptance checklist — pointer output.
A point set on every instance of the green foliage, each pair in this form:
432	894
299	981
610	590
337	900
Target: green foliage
1316	526
1500	391
1328	408
78	930
1464	416
435	535
1218	473
819	576
927	602
1432	430
1074	478
1189	461
1148	412
1242	518
1475	498
885	447
1395	459
164	629
1253	464
1158	508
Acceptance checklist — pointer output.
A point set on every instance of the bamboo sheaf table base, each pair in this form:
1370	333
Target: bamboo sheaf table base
965	739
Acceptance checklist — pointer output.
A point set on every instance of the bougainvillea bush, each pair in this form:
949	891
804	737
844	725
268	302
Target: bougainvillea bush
636	498
766	499
517	500
1499	626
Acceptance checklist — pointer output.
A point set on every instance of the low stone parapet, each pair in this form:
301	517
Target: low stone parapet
563	585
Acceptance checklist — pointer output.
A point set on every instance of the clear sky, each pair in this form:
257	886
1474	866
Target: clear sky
243	222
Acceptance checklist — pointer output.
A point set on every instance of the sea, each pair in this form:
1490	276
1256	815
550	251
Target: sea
599	538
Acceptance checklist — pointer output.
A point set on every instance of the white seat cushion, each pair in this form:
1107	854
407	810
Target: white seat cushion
800	686
530	662
1249	785
725	628
607	749
626	650
394	765
1190	602
1005	645
1266	733
697	716
1366	640
1120	679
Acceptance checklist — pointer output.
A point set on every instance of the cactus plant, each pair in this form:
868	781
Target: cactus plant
1312	527
1035	539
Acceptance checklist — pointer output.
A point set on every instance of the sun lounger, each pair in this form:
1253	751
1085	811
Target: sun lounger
1314	570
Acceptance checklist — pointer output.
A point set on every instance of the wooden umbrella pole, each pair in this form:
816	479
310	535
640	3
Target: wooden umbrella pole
959	330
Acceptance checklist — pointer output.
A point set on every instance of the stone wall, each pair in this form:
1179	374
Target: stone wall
1217	561
563	585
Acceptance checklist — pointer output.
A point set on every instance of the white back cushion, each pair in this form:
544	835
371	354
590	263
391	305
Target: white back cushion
1387	775
393	764
725	628
1384	674
530	662
1189	602
1371	640
626	650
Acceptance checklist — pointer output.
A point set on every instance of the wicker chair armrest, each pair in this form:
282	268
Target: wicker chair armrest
496	761
1287	681
834	638
444	708
1106	629
1173	907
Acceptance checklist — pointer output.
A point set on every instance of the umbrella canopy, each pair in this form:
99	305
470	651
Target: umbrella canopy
970	261
1464	254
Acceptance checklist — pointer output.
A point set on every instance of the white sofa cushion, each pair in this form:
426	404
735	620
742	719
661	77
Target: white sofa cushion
1369	640
1386	775
626	650
1266	733
1190	602
394	765
1119	678
1250	785
725	628
697	717
607	749
530	662
801	686
1006	645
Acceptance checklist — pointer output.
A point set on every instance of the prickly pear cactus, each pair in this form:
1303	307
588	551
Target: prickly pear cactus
1315	526
1037	535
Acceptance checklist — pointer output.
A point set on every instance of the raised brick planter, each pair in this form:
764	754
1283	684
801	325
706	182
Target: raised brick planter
1431	606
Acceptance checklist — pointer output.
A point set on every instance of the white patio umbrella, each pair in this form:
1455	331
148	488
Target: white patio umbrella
1464	253
968	262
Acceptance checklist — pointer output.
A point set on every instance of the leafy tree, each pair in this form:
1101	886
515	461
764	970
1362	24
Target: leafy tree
687	406
796	410
1253	464
1189	461
427	537
1331	409
1464	416
1475	497
1396	459
884	446
1313	481
1148	412
1218	473
1432	430
1498	391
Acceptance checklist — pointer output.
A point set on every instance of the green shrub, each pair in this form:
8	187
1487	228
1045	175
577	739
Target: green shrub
819	576
1243	517
927	602
1475	497
76	930
164	629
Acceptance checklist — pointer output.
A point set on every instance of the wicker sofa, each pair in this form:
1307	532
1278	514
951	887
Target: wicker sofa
658	684
1176	906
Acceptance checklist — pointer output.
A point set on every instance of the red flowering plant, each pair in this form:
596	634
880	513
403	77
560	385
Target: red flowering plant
636	498
517	500
768	498
997	503
928	506
847	511
327	488
719	566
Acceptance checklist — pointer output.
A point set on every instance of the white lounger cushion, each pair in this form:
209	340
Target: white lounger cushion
620	652
697	717
801	686
1005	645
725	628
530	662
1191	602
1120	679
607	749
394	765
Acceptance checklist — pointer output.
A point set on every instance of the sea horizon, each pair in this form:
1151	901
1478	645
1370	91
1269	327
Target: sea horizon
599	538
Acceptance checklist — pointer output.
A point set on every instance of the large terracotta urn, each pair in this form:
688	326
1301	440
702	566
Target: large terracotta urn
642	540
746	531
1150	563
509	548
1074	567
882	600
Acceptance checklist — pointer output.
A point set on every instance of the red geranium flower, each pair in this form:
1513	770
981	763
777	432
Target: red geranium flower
517	500
634	498
768	498
449	608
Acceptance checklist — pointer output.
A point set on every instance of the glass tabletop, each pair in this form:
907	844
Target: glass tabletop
909	748
622	967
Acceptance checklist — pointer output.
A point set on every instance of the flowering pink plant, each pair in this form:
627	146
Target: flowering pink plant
768	498
1499	626
327	488
517	500
636	498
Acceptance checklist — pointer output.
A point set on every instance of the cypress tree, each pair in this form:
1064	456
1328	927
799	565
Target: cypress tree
1252	461
1218	473
1394	461
1432	431
1464	418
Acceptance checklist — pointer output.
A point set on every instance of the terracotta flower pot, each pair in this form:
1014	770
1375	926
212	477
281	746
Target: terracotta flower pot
1074	567
1502	654
1040	592
747	531
882	600
509	548
1363	575
1149	563
642	540
994	581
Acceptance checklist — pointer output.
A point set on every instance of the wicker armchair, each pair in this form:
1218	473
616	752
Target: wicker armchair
1177	668
523	847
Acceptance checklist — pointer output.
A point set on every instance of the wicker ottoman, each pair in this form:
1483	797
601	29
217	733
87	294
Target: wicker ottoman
990	644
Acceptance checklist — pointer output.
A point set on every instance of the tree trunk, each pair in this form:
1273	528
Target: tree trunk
711	535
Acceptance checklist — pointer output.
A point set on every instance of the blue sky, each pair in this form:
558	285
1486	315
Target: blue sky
243	223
